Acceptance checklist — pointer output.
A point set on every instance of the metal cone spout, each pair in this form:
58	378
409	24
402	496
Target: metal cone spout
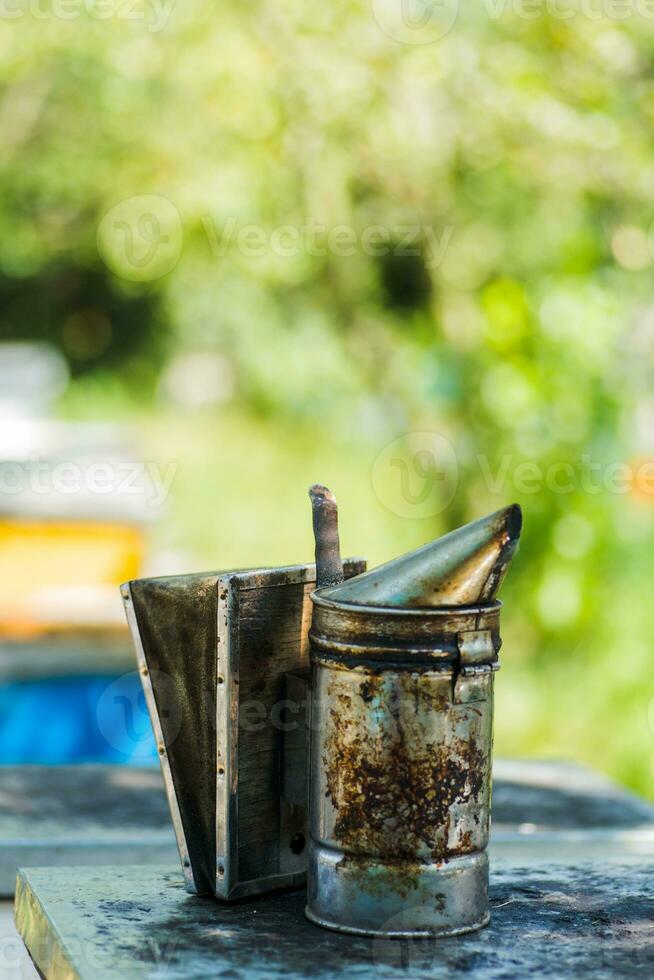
463	568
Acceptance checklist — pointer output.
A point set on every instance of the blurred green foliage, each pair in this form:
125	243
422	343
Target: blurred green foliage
520	326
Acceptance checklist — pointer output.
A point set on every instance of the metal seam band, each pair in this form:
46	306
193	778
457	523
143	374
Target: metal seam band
352	649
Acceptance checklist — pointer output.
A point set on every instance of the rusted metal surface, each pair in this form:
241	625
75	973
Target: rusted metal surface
401	740
413	784
462	568
367	633
401	737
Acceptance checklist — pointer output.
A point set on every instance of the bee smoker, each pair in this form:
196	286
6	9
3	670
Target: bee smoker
394	765
403	660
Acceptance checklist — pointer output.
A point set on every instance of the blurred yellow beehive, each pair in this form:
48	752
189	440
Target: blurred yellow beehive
63	574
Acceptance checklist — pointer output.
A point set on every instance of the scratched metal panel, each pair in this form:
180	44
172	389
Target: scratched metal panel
213	648
263	625
176	620
269	620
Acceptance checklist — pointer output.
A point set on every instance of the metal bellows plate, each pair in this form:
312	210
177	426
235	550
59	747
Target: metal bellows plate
214	650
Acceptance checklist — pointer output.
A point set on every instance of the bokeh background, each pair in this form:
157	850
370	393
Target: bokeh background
403	251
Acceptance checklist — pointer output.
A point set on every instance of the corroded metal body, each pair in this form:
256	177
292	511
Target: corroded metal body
400	772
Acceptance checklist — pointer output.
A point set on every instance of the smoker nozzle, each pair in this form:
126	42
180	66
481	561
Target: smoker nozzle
465	567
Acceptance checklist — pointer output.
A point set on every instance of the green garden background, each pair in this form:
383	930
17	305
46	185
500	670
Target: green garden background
290	242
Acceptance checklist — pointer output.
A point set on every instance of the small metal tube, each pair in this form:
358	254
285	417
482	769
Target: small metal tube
329	567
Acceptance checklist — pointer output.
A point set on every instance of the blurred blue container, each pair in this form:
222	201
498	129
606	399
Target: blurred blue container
65	720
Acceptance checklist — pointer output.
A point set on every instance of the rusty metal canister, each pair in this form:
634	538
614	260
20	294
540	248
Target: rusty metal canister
400	767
